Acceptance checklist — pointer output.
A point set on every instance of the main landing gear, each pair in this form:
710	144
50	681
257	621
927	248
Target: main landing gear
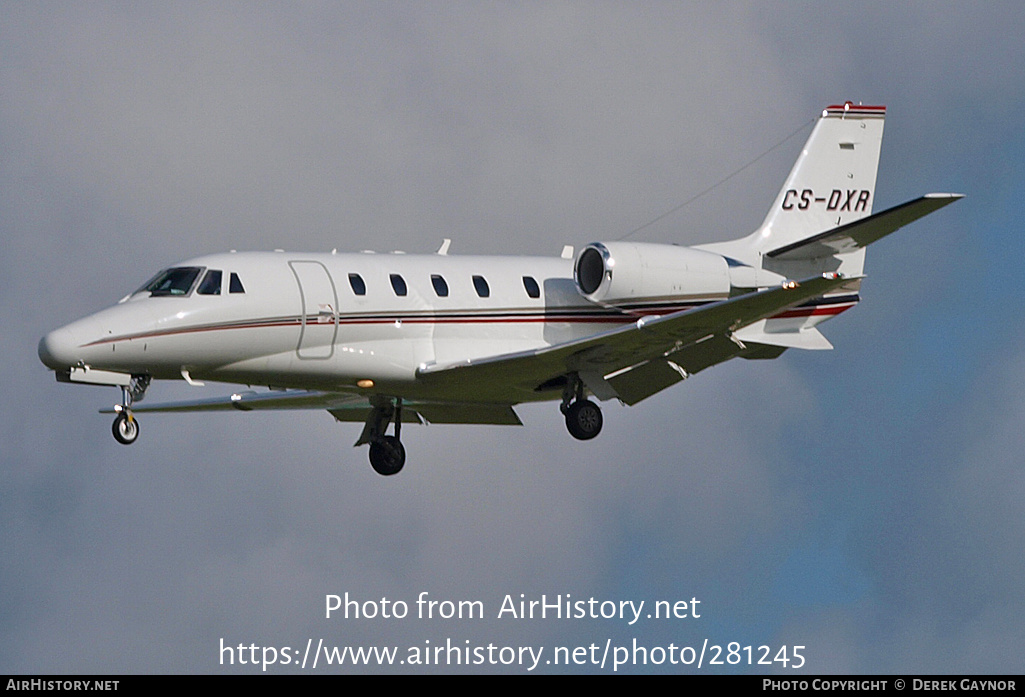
387	456
583	417
126	427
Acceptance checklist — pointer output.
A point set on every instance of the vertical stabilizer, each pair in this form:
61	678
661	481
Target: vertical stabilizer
832	183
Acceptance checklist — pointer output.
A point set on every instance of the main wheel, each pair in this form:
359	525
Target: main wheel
125	430
583	419
387	456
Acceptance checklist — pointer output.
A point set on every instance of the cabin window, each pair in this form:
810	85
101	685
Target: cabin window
530	285
235	284
176	281
211	284
398	284
357	284
481	285
440	287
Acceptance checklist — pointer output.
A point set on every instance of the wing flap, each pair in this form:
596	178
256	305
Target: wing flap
644	380
438	413
651	377
492	414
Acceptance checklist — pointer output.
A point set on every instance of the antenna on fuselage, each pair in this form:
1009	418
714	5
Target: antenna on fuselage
445	244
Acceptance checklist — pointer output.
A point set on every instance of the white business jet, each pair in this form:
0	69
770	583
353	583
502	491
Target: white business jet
387	339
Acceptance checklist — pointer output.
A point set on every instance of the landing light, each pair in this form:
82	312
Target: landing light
365	384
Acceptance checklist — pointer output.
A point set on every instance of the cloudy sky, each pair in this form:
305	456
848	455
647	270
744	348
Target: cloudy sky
864	503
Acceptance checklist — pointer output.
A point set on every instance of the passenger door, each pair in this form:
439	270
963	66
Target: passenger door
319	310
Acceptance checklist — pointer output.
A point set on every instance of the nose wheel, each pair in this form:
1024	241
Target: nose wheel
125	428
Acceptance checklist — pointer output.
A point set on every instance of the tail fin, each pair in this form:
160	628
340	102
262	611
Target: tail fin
832	184
833	181
821	221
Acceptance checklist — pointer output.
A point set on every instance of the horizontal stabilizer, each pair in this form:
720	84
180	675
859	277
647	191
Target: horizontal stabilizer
863	232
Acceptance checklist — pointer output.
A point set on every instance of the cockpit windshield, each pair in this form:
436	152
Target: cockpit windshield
175	281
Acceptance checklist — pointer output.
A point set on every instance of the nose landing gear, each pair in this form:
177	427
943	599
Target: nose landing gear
125	427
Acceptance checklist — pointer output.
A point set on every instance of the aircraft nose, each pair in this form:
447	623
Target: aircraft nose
57	349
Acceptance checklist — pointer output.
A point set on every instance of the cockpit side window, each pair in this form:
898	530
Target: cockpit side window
211	284
175	281
235	284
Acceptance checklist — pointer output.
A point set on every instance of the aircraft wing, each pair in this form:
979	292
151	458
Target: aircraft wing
250	400
662	349
864	232
343	406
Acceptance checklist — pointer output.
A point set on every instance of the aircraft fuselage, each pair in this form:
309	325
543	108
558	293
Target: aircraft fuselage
329	321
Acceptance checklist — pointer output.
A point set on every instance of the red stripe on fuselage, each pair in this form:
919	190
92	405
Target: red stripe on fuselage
553	318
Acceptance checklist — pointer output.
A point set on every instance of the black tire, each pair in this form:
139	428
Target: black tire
125	430
584	419
387	456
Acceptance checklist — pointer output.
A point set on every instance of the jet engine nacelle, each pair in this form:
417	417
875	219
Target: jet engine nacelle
620	273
